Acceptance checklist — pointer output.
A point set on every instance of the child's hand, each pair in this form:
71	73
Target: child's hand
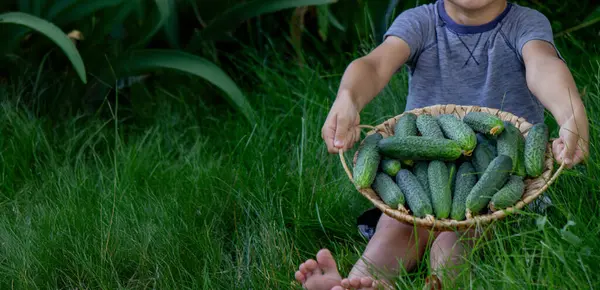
341	130
572	144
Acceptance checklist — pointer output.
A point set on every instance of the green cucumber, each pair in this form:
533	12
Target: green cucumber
420	171
439	188
388	190
419	148
508	144
482	156
367	161
489	142
484	123
452	173
509	194
521	170
406	125
458	131
494	178
535	149
429	127
390	166
465	181
416	197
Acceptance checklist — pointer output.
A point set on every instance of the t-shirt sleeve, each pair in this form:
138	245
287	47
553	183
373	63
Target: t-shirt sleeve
413	26
533	25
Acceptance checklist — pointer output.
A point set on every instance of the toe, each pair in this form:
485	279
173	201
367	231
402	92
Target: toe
366	282
308	267
300	277
355	282
326	261
345	283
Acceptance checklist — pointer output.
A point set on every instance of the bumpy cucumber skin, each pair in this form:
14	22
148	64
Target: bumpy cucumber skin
508	144
429	127
388	190
489	142
390	166
419	148
493	179
509	194
420	170
521	170
416	197
459	131
482	156
367	161
406	125
465	181
535	149
452	172
484	123
439	188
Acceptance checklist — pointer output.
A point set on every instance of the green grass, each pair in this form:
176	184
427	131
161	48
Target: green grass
174	195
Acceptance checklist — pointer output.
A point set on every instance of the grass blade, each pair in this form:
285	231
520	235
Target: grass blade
152	59
164	10
244	11
52	32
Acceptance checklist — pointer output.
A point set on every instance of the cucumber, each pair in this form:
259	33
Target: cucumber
509	194
390	166
452	172
367	161
484	123
494	178
388	190
535	149
465	180
406	125
439	188
508	144
521	170
420	170
482	156
428	126
489	142
419	148
458	131
416	197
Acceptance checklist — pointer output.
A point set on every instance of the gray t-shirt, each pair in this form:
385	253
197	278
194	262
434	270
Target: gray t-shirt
482	65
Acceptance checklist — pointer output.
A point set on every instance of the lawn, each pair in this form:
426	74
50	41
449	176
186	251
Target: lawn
167	195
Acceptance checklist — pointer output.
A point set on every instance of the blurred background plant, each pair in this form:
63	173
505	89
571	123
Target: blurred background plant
120	42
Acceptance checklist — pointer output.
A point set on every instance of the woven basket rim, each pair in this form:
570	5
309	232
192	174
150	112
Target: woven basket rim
534	187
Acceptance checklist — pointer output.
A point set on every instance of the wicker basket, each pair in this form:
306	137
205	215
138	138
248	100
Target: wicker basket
533	187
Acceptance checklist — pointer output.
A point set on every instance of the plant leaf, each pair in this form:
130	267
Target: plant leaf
146	60
231	18
50	31
59	7
83	10
164	10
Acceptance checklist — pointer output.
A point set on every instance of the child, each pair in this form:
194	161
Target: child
469	52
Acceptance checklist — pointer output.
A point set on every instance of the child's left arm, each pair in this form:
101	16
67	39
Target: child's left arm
549	78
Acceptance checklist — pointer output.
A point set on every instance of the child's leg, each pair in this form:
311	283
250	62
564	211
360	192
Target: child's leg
446	258
392	241
393	244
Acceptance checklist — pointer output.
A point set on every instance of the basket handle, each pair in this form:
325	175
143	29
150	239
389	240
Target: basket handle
343	159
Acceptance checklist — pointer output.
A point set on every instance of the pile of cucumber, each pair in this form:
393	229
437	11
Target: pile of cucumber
443	166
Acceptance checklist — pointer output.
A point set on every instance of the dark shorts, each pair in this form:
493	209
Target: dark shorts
367	222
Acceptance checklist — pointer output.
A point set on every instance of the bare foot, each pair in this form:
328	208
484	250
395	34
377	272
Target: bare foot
321	274
364	283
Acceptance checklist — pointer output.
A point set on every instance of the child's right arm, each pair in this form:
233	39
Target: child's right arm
363	79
